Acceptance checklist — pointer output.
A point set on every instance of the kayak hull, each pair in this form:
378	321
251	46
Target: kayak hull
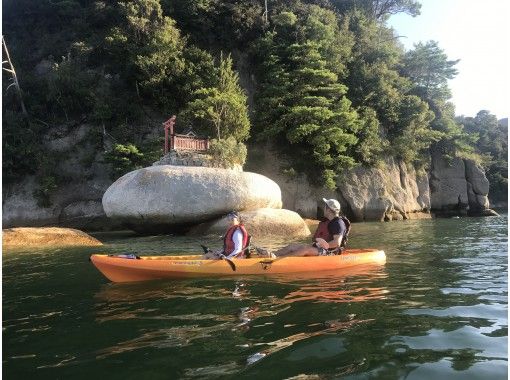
118	269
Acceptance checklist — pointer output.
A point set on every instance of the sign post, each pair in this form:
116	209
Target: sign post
169	125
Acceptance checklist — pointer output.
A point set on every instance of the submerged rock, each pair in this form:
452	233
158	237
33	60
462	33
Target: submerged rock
171	197
261	223
26	237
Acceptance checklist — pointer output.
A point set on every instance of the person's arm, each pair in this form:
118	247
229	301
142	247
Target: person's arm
336	241
337	231
238	243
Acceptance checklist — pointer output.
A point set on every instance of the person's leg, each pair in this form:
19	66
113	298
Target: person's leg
297	250
288	250
210	256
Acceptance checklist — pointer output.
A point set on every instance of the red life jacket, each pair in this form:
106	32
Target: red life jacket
228	242
323	232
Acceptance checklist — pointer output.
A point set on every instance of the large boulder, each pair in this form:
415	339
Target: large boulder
448	186
477	190
169	198
260	224
458	187
27	237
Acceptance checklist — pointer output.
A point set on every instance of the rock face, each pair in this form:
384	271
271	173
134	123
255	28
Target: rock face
26	237
77	200
261	223
392	192
189	195
76	205
458	187
190	158
166	197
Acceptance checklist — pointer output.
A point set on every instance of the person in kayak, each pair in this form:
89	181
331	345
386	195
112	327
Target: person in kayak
328	238
234	241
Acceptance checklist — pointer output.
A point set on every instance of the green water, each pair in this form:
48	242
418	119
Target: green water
436	310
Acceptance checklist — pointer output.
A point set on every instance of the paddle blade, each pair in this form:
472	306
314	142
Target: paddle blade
230	262
206	249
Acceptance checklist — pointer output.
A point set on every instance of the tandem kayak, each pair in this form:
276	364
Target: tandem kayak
143	268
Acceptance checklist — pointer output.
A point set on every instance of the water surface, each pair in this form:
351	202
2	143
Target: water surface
437	309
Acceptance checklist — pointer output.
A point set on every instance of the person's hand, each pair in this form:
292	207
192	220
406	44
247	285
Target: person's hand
322	243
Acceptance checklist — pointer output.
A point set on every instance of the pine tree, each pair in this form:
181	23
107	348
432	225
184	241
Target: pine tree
302	102
221	110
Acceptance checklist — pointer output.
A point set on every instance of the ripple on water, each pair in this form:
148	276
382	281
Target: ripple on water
437	309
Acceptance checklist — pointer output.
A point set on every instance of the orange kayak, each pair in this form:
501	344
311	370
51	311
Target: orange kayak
122	269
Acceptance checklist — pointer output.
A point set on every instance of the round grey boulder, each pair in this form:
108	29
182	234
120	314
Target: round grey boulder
170	197
261	223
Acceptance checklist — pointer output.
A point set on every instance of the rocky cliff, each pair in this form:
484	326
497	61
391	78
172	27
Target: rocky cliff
390	192
458	187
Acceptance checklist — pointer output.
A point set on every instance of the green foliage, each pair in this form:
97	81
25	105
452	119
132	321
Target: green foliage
147	49
379	9
20	148
490	139
328	81
48	177
218	24
227	152
47	185
221	110
414	135
377	89
429	69
70	87
123	159
307	107
371	144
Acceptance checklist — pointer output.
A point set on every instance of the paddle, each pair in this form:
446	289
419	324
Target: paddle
222	257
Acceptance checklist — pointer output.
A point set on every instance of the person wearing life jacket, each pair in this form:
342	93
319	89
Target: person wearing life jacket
331	233
235	239
327	240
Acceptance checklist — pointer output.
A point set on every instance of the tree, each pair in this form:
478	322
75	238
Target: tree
147	49
379	9
491	141
221	109
216	24
303	100
398	122
428	68
414	136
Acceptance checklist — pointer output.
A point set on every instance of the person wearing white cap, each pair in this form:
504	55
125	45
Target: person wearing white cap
332	230
327	239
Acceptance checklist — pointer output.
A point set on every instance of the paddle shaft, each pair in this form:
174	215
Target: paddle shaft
222	257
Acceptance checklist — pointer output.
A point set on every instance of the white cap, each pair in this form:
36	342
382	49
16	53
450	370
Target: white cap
333	204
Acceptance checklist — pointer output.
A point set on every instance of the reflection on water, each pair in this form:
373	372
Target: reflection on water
128	301
437	309
325	328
